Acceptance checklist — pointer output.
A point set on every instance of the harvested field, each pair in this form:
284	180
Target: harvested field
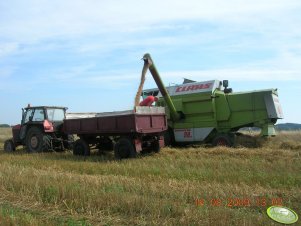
195	185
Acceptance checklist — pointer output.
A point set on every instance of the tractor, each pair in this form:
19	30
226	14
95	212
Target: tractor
41	130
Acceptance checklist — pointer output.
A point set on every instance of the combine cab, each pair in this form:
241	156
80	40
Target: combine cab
40	130
210	112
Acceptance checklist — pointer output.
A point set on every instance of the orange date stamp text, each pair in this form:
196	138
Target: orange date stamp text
239	202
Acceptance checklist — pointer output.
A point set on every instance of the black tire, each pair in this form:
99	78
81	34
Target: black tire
68	142
47	146
37	141
223	140
106	144
80	147
124	148
169	138
156	146
9	146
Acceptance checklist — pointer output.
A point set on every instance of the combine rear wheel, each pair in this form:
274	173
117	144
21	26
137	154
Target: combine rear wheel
223	140
124	148
9	146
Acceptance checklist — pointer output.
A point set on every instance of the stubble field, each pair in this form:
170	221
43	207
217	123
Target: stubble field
179	186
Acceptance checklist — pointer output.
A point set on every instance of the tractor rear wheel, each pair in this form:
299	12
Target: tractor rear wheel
9	146
124	148
37	141
80	147
223	140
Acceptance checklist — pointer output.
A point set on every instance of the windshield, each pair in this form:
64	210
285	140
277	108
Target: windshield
55	114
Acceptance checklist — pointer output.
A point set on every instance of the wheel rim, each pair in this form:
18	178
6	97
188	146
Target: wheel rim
222	142
34	142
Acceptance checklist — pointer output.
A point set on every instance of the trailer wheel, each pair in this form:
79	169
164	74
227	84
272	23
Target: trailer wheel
37	141
80	147
105	144
124	149
9	146
222	140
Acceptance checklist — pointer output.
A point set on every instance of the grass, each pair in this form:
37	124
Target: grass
178	186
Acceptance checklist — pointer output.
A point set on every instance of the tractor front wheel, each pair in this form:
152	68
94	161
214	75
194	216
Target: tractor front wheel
9	146
37	141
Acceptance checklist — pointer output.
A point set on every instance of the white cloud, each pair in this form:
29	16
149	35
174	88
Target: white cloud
90	45
236	75
6	72
35	20
8	48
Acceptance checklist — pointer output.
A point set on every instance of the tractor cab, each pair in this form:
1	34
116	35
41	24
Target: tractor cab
48	118
36	115
38	124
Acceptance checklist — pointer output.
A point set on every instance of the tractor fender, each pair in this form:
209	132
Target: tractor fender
16	134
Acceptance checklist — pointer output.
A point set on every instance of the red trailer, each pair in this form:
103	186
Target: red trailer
128	132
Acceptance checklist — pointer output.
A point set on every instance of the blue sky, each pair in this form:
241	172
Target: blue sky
85	54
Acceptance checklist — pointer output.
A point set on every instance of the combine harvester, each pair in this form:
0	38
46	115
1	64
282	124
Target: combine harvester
210	112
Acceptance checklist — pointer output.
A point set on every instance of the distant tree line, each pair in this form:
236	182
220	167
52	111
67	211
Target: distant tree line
288	126
281	126
4	126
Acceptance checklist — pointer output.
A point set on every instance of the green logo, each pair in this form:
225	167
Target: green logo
282	214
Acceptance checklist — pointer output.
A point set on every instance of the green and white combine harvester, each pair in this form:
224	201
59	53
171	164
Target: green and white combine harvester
210	112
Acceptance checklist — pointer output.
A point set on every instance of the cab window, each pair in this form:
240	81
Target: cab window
28	115
55	114
38	115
